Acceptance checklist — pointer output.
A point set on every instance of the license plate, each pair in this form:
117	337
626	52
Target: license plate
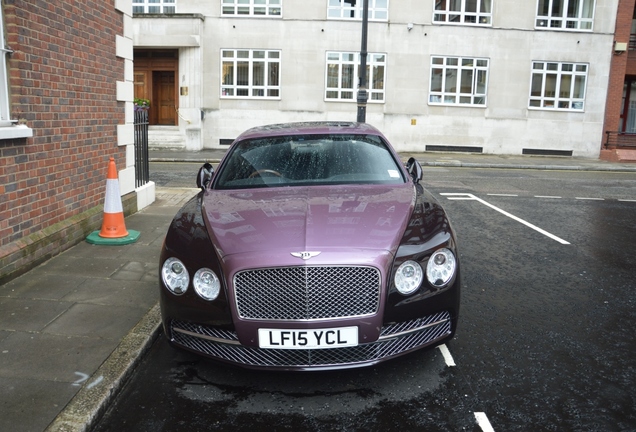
303	339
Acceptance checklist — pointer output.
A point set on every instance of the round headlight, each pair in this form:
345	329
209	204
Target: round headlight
206	284
408	277
441	267
175	276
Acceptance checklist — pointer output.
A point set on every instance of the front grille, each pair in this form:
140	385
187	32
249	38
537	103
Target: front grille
307	293
396	339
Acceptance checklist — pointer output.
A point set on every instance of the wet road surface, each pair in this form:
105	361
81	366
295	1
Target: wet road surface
545	340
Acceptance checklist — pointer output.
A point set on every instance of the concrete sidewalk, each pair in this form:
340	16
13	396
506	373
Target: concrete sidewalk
72	329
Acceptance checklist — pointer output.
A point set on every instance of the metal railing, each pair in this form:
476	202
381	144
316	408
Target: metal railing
142	167
620	140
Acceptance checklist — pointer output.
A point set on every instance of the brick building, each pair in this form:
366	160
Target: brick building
620	112
66	106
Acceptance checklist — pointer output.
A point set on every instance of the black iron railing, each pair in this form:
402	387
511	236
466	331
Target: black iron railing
620	140
142	168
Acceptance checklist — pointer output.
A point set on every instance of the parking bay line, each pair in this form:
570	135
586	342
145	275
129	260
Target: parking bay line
482	419
467	196
448	358
483	422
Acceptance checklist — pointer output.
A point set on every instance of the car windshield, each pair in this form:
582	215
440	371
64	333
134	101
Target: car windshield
308	160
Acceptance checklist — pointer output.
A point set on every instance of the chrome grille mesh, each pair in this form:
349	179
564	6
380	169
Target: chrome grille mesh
408	336
305	293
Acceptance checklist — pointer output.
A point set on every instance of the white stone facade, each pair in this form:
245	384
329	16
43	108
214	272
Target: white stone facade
303	34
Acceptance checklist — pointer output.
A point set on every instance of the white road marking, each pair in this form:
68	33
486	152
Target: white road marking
503	195
448	358
547	196
627	200
467	196
483	422
589	199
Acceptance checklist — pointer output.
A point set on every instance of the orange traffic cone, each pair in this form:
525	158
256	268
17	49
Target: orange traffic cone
113	227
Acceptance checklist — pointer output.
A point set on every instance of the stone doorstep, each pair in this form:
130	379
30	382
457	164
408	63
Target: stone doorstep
165	138
26	253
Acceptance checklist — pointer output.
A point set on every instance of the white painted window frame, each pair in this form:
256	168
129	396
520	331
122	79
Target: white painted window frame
562	98
549	19
5	114
252	8
455	12
231	89
442	68
343	10
8	128
347	92
154	6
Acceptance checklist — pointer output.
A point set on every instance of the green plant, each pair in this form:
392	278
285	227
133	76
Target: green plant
143	103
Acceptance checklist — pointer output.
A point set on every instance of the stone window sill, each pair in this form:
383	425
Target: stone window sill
16	131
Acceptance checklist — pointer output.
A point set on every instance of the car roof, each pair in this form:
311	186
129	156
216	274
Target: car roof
304	128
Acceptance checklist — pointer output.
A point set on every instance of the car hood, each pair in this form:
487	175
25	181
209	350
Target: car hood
317	218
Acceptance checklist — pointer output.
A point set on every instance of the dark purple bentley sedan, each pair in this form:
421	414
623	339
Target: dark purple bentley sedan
310	247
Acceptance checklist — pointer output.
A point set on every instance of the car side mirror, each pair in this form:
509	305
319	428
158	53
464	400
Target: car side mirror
205	175
415	170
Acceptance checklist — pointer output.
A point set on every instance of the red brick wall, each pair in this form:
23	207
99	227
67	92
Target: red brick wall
618	66
63	74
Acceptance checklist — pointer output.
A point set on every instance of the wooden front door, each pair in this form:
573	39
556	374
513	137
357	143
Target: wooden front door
155	79
165	100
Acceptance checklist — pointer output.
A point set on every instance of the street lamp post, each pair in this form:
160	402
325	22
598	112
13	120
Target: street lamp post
363	95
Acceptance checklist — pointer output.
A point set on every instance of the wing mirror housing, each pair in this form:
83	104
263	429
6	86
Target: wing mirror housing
205	175
415	170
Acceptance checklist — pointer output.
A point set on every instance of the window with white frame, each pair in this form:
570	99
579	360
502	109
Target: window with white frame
565	14
558	86
5	119
352	9
478	12
252	7
154	6
458	81
250	73
342	78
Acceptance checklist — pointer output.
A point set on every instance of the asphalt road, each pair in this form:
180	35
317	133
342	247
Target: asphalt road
545	340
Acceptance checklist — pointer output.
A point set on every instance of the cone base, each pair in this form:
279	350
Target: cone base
95	238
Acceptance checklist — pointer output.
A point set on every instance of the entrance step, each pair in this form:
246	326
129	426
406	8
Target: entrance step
165	138
618	155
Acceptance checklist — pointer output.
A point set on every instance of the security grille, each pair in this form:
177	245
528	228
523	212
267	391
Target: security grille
307	293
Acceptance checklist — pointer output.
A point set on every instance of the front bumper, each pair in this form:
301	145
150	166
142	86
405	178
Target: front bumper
395	339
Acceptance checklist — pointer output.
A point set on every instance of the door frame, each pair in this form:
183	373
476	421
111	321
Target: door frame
147	61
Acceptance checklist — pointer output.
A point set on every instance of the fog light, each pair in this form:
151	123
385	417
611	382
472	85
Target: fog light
175	276
441	268
206	284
